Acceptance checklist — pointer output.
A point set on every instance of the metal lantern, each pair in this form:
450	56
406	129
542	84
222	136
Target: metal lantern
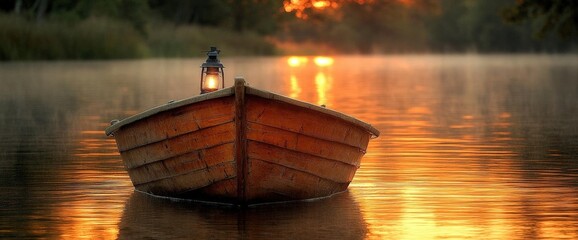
212	74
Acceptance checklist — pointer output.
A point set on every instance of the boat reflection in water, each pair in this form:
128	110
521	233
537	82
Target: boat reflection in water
153	218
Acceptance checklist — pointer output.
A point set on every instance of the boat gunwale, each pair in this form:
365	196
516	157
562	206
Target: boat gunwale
168	106
230	91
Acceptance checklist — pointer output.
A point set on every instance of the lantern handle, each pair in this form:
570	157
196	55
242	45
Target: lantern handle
214	52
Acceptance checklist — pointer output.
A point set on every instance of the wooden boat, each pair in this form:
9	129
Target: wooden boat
241	145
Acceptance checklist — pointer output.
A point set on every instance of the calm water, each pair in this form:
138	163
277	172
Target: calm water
481	147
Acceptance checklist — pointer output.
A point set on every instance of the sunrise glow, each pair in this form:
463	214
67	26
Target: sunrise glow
321	4
299	6
296	61
323	61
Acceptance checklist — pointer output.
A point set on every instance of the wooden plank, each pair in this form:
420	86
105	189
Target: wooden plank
176	122
204	138
241	138
305	121
182	164
305	144
324	168
272	182
190	181
269	96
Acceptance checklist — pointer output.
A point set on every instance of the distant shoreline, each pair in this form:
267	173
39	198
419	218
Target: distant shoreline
109	39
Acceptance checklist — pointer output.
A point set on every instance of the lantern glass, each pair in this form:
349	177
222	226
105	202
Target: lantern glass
211	79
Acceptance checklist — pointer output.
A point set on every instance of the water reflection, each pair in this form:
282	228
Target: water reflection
323	86
323	80
152	218
457	165
471	147
296	61
322	61
295	89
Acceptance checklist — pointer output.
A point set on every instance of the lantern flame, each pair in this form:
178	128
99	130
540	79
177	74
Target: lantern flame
211	83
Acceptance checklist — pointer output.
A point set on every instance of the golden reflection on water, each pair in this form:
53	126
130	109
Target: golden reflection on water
295	89
323	61
454	179
300	72
96	187
323	85
296	61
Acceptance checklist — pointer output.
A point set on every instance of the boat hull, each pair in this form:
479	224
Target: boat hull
241	146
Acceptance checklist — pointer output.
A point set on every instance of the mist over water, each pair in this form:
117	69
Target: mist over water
471	146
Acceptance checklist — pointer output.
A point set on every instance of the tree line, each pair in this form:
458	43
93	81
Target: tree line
239	15
343	26
445	26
